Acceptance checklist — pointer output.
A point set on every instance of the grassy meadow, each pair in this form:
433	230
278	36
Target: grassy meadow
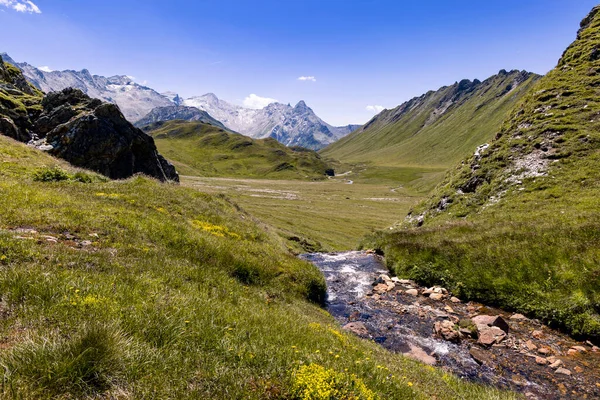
134	289
327	215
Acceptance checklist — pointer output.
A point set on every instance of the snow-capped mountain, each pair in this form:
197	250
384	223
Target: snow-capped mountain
134	100
292	126
171	113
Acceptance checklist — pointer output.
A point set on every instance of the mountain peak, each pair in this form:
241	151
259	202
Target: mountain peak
301	107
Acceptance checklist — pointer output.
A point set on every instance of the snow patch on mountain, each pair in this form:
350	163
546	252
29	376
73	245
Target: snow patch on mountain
134	100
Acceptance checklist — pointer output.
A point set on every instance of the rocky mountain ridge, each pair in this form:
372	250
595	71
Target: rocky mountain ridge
83	131
292	126
438	128
134	100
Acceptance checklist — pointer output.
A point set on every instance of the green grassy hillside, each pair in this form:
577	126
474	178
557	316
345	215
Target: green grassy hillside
437	129
519	224
200	149
134	290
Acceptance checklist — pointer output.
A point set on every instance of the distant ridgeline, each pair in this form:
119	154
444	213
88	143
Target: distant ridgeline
438	128
292	126
70	125
201	149
518	222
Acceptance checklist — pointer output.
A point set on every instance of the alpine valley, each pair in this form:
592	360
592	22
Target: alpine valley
156	247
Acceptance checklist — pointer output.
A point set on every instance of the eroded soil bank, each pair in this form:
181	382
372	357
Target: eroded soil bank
479	343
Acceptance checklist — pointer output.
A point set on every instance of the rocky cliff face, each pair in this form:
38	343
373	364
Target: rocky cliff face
84	131
134	100
292	126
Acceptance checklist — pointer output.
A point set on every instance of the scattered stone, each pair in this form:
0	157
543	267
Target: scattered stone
405	281
447	330
94	235
395	279
436	296
454	299
383	278
412	292
563	371
357	328
427	291
544	351
530	346
490	336
556	364
537	334
381	288
438	290
518	317
541	361
596	349
480	356
86	243
490	320
572	352
580	349
417	353
449	310
551	359
52	240
578	369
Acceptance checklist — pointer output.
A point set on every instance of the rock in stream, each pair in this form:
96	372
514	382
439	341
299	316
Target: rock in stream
476	342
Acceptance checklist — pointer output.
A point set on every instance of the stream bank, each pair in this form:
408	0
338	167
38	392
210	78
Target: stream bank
476	342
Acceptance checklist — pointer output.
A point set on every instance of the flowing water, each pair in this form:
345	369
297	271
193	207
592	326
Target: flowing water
404	323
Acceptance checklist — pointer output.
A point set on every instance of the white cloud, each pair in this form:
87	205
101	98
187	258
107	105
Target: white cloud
254	101
24	6
45	68
307	78
375	109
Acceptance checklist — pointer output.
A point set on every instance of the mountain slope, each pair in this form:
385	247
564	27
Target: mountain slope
134	100
292	126
517	223
132	289
183	113
436	129
205	150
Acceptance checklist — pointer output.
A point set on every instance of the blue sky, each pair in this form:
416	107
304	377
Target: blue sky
361	53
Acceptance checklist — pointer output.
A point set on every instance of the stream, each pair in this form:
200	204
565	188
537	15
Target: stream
400	315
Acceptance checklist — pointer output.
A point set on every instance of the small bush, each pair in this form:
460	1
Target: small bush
54	174
57	174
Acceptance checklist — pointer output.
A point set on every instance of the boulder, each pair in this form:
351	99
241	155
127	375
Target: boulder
563	371
98	137
556	364
482	357
381	288
544	351
490	336
447	330
357	328
489	321
436	296
541	361
417	353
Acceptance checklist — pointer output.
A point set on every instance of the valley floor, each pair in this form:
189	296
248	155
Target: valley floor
316	216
